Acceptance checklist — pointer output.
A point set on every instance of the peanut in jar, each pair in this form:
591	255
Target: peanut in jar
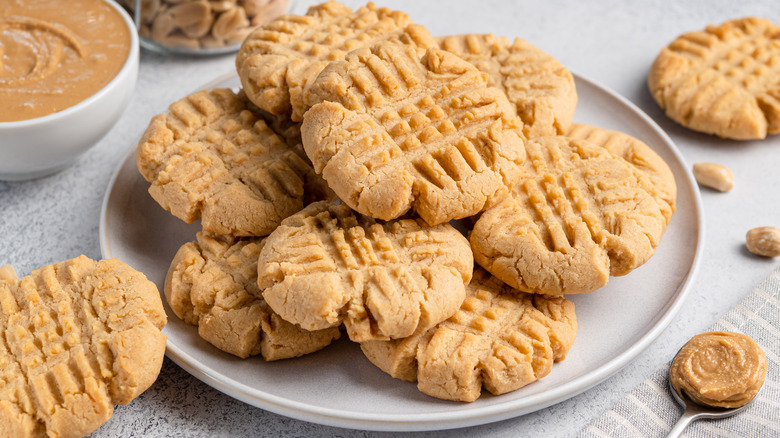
200	27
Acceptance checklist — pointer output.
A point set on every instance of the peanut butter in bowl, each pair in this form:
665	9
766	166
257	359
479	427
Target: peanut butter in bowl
720	369
55	54
67	72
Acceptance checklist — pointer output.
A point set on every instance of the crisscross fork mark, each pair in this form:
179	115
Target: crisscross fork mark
12	371
52	380
356	248
421	123
239	143
745	63
276	179
52	331
305	251
319	36
493	318
554	196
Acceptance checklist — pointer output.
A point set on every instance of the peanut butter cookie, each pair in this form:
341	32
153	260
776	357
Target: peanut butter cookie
212	283
500	338
541	89
76	338
722	80
211	158
390	131
658	179
326	265
315	188
278	61
577	215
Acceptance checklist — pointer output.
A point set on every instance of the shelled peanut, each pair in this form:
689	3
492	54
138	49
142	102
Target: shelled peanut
763	241
203	24
713	175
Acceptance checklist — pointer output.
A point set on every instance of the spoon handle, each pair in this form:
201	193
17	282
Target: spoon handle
682	423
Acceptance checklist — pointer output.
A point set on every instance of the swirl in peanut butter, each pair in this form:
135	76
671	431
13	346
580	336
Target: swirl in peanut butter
38	52
720	369
55	54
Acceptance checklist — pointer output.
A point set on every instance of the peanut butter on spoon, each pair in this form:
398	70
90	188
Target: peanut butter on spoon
715	375
720	369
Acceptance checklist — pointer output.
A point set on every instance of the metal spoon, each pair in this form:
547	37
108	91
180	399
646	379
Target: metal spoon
695	411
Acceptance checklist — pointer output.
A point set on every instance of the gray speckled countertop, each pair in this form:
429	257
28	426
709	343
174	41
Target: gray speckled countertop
611	41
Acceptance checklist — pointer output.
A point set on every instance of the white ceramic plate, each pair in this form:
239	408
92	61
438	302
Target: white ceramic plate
339	387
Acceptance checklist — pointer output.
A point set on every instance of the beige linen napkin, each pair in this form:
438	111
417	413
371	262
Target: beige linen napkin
650	411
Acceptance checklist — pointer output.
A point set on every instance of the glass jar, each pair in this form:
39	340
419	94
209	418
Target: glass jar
200	27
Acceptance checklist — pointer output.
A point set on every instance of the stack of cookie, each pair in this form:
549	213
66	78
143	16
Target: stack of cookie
329	189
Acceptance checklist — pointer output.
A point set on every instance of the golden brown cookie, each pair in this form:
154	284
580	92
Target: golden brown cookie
500	338
315	188
659	179
278	61
390	131
577	215
211	158
287	129
541	89
212	283
326	265
724	80
76	338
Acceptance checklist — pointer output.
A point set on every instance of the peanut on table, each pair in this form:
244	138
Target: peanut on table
713	175
763	241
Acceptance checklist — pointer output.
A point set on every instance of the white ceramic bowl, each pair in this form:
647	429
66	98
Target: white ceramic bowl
45	145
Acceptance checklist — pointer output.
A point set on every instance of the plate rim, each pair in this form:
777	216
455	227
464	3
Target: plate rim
458	417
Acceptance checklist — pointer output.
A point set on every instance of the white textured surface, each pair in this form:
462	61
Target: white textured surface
613	42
